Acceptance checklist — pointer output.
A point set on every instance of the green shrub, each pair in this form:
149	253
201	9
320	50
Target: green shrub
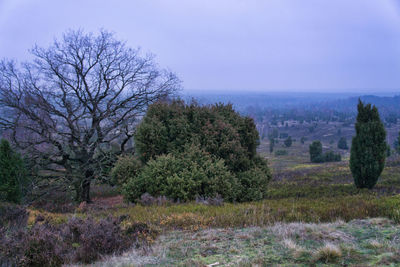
220	136
217	129
288	141
126	167
330	156
253	184
368	149
388	151
316	152
317	156
12	174
342	144
183	176
281	152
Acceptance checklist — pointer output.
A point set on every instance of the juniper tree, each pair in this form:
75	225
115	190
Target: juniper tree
288	141
316	152
271	144
368	149
12	173
342	144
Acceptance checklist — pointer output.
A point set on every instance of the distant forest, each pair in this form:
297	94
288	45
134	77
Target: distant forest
274	108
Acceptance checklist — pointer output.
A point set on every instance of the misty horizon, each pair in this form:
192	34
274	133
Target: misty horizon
249	46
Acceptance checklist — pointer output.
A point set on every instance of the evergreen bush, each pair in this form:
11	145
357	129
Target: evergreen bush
330	156
288	141
126	167
220	137
316	152
182	177
368	149
342	144
12	174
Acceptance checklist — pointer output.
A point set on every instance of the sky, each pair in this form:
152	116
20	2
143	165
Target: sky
232	45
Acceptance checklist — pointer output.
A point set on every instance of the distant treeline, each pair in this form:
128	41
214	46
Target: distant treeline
277	108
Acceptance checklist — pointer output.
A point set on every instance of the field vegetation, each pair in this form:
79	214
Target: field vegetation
313	215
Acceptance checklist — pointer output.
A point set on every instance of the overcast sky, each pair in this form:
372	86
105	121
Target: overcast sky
233	45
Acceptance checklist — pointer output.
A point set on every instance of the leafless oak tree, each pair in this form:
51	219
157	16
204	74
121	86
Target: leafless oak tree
76	101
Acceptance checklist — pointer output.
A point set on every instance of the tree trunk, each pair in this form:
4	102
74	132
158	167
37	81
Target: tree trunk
83	189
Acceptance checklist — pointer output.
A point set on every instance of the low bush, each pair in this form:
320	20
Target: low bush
288	141
39	245
253	184
126	167
78	240
94	239
330	156
182	177
342	143
316	152
281	153
317	156
13	216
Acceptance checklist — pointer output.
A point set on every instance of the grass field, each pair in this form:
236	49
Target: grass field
313	215
372	242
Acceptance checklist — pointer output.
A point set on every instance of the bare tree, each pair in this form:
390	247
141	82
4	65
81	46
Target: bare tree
78	100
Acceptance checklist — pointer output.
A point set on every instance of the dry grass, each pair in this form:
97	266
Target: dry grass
375	244
282	244
326	231
329	253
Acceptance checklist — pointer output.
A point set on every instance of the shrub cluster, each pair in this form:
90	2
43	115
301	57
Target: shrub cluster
78	240
317	156
192	150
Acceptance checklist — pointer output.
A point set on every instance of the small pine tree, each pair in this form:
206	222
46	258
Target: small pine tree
288	142
316	152
271	144
388	151
12	173
342	144
302	140
368	149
